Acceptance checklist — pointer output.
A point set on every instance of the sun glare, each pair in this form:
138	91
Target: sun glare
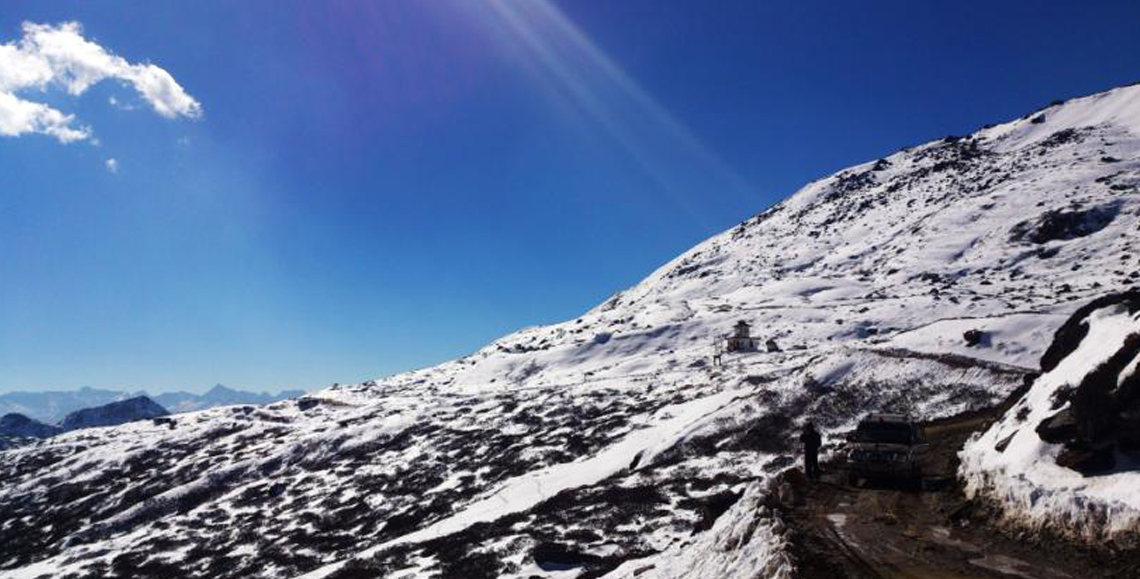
571	66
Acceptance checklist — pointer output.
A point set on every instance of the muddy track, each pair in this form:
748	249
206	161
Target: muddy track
885	531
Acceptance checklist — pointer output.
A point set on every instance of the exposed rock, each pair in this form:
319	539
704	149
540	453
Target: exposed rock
1091	461
1061	461
1069	335
1003	443
973	337
1103	411
1058	428
1065	224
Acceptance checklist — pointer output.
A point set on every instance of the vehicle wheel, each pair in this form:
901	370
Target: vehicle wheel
916	478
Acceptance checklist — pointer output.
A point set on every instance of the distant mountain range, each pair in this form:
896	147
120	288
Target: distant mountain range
52	406
219	395
16	428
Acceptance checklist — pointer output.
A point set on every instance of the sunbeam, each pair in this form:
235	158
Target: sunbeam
562	58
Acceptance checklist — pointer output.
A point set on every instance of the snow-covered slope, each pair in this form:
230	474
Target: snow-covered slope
610	443
1067	457
746	542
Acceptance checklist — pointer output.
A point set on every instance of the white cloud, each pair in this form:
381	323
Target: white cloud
18	116
113	165
59	56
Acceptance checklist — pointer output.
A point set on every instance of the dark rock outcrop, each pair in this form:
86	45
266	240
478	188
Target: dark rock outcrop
1058	428
973	337
1065	224
1089	461
1102	414
1069	335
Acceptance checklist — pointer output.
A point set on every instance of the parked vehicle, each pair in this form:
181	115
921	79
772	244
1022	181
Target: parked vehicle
887	446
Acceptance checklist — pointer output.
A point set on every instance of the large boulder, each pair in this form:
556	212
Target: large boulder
1058	428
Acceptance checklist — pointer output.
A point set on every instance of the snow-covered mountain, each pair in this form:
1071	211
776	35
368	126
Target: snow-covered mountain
612	445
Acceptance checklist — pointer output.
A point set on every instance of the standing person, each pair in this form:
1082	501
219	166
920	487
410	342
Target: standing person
811	441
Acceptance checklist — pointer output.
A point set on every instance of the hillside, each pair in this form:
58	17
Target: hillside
610	444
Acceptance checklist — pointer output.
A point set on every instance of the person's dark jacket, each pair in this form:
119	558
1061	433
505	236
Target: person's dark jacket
811	439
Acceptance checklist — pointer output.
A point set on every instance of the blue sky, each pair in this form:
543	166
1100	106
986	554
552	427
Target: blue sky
378	186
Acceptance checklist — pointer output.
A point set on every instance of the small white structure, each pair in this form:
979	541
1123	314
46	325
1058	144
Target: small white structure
741	339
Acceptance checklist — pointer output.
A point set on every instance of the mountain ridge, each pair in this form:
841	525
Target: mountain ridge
16	429
113	414
51	406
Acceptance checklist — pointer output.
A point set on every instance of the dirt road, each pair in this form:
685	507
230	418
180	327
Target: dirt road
876	531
